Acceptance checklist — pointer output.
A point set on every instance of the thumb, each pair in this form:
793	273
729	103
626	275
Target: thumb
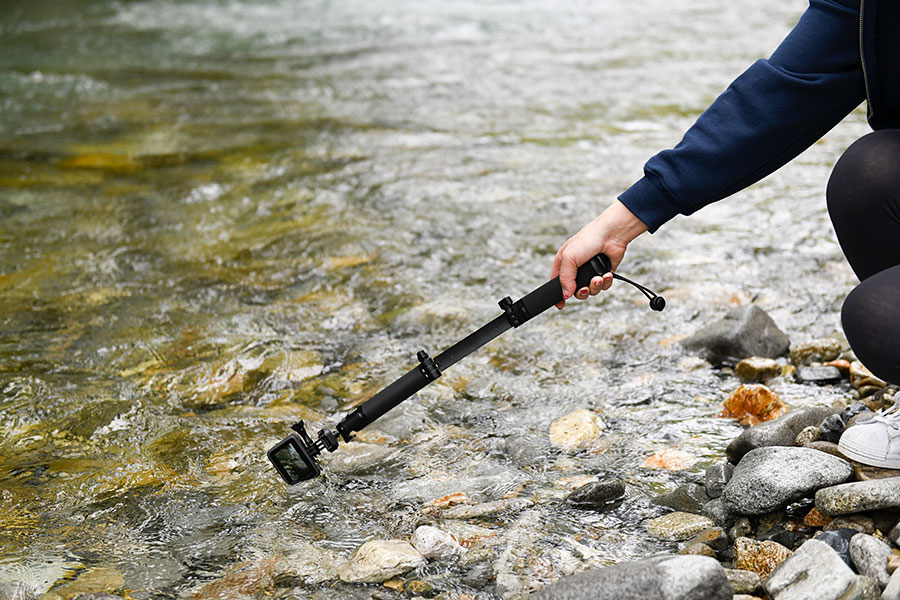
567	271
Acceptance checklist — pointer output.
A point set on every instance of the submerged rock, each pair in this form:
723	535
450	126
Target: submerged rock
778	432
753	404
678	526
597	495
494	507
744	331
379	560
579	430
431	542
813	572
770	478
687	498
664	578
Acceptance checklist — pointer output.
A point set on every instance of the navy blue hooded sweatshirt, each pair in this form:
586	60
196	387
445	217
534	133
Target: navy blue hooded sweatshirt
840	53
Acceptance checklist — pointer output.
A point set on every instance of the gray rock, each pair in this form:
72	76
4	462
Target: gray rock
720	513
687	498
16	590
818	375
597	495
839	541
743	582
745	331
813	572
894	534
870	556
677	526
859	496
772	477
892	591
741	528
782	431
97	596
661	578
716	477
868	588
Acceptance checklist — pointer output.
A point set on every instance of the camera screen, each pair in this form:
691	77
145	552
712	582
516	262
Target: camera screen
292	461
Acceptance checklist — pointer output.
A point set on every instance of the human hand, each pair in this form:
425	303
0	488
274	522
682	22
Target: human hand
610	233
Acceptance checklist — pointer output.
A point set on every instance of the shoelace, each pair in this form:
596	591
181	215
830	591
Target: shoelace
890	417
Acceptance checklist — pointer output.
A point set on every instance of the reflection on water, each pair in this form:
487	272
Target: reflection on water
217	218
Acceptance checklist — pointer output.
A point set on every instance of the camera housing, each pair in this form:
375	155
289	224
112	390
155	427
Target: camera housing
293	460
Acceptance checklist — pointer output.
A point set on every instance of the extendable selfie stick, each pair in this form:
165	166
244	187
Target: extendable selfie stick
294	456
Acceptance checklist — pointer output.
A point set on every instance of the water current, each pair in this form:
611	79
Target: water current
217	217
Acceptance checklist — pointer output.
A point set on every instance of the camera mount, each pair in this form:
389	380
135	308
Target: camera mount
294	457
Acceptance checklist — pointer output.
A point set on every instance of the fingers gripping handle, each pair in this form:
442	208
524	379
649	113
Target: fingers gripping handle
550	293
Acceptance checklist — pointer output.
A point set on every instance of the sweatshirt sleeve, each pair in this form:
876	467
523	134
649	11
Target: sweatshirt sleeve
768	115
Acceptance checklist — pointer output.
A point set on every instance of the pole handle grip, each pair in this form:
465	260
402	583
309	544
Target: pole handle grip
550	293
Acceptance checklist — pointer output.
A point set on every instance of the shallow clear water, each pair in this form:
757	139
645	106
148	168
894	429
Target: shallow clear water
220	217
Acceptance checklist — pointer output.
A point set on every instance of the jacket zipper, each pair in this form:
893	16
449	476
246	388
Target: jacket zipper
862	60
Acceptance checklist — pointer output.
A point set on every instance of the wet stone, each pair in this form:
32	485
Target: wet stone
485	509
893	563
828	448
758	557
822	350
752	404
831	428
686	498
818	375
807	436
859	496
741	528
870	557
677	526
720	513
597	495
743	581
770	478
757	369
697	549
813	572
669	577
744	331
714	537
431	542
778	432
894	534
839	541
780	535
579	430
716	477
379	560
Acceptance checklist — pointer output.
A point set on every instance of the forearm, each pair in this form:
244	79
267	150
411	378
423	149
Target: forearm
768	115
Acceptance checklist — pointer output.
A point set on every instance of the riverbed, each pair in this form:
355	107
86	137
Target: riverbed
217	218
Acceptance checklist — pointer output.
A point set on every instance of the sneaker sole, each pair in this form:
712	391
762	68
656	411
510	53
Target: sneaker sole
858	453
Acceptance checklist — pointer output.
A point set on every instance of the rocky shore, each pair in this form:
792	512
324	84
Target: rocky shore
784	517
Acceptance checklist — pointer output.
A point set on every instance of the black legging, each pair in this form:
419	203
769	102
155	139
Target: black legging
864	204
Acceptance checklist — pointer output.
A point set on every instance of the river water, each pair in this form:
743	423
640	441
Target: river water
220	217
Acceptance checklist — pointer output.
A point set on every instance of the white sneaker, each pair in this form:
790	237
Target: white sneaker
874	442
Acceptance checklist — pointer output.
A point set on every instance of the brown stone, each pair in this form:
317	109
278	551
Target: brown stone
866	473
893	563
760	557
758	369
814	518
827	448
698	549
753	404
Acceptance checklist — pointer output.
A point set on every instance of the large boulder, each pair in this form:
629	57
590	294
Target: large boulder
682	577
745	331
770	478
859	496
